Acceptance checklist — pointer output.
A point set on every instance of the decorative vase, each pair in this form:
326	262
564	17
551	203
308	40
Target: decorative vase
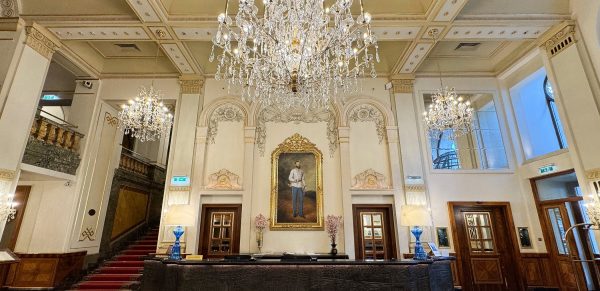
259	240
420	253
333	249
176	250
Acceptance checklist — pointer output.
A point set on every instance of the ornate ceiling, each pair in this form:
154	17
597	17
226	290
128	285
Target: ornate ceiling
119	38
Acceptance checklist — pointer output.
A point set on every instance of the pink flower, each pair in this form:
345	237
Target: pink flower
332	225
261	222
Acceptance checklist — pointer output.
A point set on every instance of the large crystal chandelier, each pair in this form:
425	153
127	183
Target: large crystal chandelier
447	113
146	117
298	52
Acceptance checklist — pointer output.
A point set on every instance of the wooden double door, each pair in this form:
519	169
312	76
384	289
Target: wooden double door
220	230
486	246
374	237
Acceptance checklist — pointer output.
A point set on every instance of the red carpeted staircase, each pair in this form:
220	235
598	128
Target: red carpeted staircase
123	271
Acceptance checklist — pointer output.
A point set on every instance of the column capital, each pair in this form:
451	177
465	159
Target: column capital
558	38
41	40
402	83
191	84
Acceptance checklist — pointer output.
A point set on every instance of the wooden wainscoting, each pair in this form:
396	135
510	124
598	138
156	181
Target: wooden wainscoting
538	271
44	270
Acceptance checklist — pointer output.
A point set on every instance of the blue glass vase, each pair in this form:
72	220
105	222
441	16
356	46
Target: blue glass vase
419	251
176	249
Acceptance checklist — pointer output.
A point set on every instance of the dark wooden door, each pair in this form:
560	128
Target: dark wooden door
556	222
12	227
220	230
486	247
374	231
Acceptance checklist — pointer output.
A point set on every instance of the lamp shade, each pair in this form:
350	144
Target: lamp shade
180	215
415	215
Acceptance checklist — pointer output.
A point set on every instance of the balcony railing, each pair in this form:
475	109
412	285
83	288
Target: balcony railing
53	144
135	163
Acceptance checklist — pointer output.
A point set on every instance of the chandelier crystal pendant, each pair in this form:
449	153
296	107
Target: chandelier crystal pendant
447	113
146	117
296	53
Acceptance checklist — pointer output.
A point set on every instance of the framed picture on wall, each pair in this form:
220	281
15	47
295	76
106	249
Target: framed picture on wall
443	240
524	238
297	185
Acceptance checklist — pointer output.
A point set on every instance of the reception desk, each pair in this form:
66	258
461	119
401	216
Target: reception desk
346	275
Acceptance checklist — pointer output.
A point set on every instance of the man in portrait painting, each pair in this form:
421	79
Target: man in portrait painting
298	185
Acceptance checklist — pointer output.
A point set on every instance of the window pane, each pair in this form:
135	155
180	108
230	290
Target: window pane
558	187
483	148
534	116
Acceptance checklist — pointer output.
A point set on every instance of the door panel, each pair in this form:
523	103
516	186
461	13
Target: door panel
486	248
374	232
220	230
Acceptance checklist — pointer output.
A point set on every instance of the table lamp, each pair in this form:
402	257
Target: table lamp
178	216
416	216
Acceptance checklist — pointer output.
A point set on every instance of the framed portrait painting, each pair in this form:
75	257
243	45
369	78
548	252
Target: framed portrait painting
296	185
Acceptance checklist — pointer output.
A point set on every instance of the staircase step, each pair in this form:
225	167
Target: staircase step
113	277
136	252
129	258
124	264
120	270
146	242
143	247
105	285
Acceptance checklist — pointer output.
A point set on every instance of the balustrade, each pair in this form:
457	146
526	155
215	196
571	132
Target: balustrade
54	133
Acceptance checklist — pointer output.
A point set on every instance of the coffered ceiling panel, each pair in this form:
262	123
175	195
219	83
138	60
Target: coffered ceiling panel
127	49
76	7
515	7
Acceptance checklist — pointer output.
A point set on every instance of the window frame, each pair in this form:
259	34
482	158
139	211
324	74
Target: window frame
551	103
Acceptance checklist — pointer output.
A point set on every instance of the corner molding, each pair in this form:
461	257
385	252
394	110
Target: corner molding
224	180
560	40
41	41
370	180
191	85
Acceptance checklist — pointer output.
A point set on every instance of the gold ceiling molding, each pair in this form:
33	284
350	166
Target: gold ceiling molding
7	175
560	40
191	86
9	8
402	85
41	41
593	174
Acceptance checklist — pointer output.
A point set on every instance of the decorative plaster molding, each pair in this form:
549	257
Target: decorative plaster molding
224	180
560	41
226	112
415	188
40	42
402	85
416	56
7	175
9	8
297	115
180	188
191	86
88	233
369	113
593	174
144	10
176	55
111	120
370	179
495	32
450	10
100	33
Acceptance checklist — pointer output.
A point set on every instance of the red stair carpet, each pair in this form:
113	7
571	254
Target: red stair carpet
123	271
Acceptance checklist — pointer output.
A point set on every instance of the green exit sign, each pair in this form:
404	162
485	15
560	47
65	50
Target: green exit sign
547	169
180	181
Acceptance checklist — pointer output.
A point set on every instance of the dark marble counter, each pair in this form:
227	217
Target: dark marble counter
166	275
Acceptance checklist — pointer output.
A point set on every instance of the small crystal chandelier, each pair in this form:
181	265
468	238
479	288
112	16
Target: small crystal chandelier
447	111
297	53
592	209
146	117
7	210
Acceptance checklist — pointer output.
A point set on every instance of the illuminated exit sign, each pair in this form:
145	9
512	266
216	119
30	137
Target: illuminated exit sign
180	181
547	169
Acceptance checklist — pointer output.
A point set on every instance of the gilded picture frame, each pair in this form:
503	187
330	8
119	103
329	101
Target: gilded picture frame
296	152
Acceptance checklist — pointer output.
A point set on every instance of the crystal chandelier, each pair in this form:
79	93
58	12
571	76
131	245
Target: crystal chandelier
146	117
7	211
447	112
299	52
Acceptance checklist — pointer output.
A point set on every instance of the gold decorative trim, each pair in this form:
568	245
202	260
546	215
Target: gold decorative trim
415	188
180	188
402	85
7	175
593	174
111	120
88	233
38	40
560	41
191	86
9	8
224	180
370	180
296	144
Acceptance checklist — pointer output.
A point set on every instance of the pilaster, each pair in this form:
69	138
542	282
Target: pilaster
346	179
246	235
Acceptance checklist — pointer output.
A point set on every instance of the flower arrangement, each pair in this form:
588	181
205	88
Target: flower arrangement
261	222
333	225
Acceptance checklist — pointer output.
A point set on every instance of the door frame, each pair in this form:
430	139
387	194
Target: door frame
546	232
235	243
392	226
512	237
